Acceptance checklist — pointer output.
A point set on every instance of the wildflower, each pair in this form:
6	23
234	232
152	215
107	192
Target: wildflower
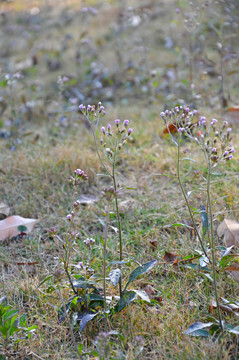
81	175
89	241
177	11
126	123
229	130
117	121
181	129
103	130
109	128
162	114
130	131
69	217
214	150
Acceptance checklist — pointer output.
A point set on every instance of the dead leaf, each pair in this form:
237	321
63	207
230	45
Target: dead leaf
233	267
230	230
170	258
232	115
4	210
9	226
86	199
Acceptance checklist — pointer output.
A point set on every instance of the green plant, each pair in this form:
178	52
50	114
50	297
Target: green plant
215	144
13	328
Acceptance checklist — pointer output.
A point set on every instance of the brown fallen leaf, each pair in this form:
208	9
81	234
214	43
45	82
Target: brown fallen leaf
232	115
230	230
233	267
4	210
9	226
170	258
224	306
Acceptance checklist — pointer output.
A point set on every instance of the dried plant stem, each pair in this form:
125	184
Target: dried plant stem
69	321
212	244
186	200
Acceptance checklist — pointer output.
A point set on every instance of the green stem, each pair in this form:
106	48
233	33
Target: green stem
186	200
119	225
212	243
98	153
105	247
69	321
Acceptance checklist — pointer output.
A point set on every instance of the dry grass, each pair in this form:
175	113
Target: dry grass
33	182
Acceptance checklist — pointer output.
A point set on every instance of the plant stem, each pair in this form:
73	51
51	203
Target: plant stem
98	153
212	243
119	225
186	200
105	247
68	320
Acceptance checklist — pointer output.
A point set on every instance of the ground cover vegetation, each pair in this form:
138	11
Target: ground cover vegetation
119	179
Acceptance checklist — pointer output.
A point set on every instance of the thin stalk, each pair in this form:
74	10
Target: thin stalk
105	247
98	153
69	321
212	244
119	225
186	200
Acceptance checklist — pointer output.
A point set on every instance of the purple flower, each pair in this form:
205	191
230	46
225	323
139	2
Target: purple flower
162	114
180	129
69	217
229	130
109	127
214	121
117	121
81	264
177	11
226	153
130	131
195	112
103	130
230	157
126	123
214	150
187	109
81	107
102	108
166	112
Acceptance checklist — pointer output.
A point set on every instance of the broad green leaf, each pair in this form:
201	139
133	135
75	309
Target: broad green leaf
115	276
125	300
85	319
9	315
140	270
235	330
194	328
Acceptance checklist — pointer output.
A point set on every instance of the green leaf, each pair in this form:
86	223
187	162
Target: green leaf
9	315
140	270
196	329
125	300
47	278
80	348
22	228
85	319
235	330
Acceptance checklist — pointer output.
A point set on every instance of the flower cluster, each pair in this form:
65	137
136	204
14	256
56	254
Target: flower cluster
92	112
215	140
109	193
183	118
79	175
114	139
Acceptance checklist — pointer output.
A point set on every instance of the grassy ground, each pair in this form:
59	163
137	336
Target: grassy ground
136	71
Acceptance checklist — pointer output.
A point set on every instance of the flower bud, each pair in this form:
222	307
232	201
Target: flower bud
117	121
126	123
130	131
103	130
